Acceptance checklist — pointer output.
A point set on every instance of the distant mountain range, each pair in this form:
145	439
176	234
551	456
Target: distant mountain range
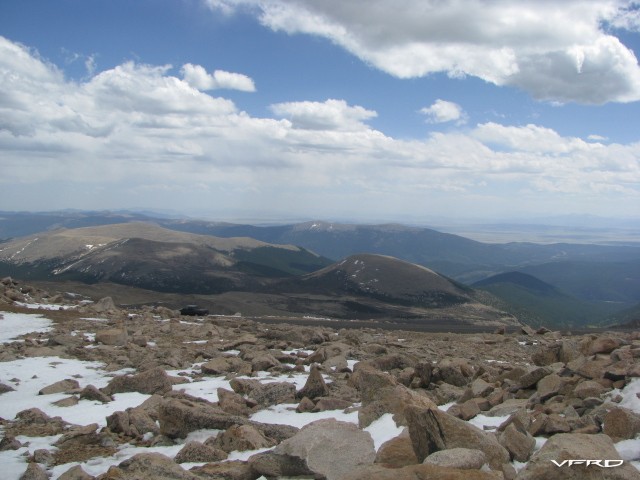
585	283
272	278
148	256
539	303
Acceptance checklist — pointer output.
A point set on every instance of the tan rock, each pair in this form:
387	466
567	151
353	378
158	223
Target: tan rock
421	472
518	442
575	446
462	458
242	437
60	387
198	452
588	388
112	336
315	385
432	430
621	424
397	452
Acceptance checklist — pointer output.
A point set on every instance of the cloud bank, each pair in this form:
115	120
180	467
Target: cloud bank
556	51
139	135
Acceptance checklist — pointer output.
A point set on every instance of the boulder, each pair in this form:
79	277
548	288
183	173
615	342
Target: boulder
325	352
603	345
518	442
621	424
446	393
420	472
315	385
463	458
92	393
423	371
227	470
588	388
329	448
103	305
240	438
75	473
392	361
265	394
9	443
264	362
232	403
223	365
432	430
330	403
455	371
556	423
4	388
380	394
78	436
60	387
134	422
149	466
590	367
507	407
198	452
576	446
480	388
34	472
563	351
34	422
549	386
112	336
531	378
397	452
150	381
178	417
305	405
466	410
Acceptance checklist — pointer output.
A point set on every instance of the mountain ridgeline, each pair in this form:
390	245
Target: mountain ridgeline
147	256
320	268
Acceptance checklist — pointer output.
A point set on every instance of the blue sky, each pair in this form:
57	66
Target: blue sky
377	110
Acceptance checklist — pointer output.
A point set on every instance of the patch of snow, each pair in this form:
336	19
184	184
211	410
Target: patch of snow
14	325
630	394
484	422
206	388
244	455
383	430
285	414
298	350
629	450
45	306
14	461
34	373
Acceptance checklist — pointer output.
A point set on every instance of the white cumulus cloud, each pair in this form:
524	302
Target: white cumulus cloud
329	115
556	51
197	77
442	111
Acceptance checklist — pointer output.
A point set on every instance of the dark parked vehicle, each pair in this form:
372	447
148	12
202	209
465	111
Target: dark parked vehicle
193	311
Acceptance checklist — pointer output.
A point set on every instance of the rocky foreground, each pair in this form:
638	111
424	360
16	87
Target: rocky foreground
482	406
